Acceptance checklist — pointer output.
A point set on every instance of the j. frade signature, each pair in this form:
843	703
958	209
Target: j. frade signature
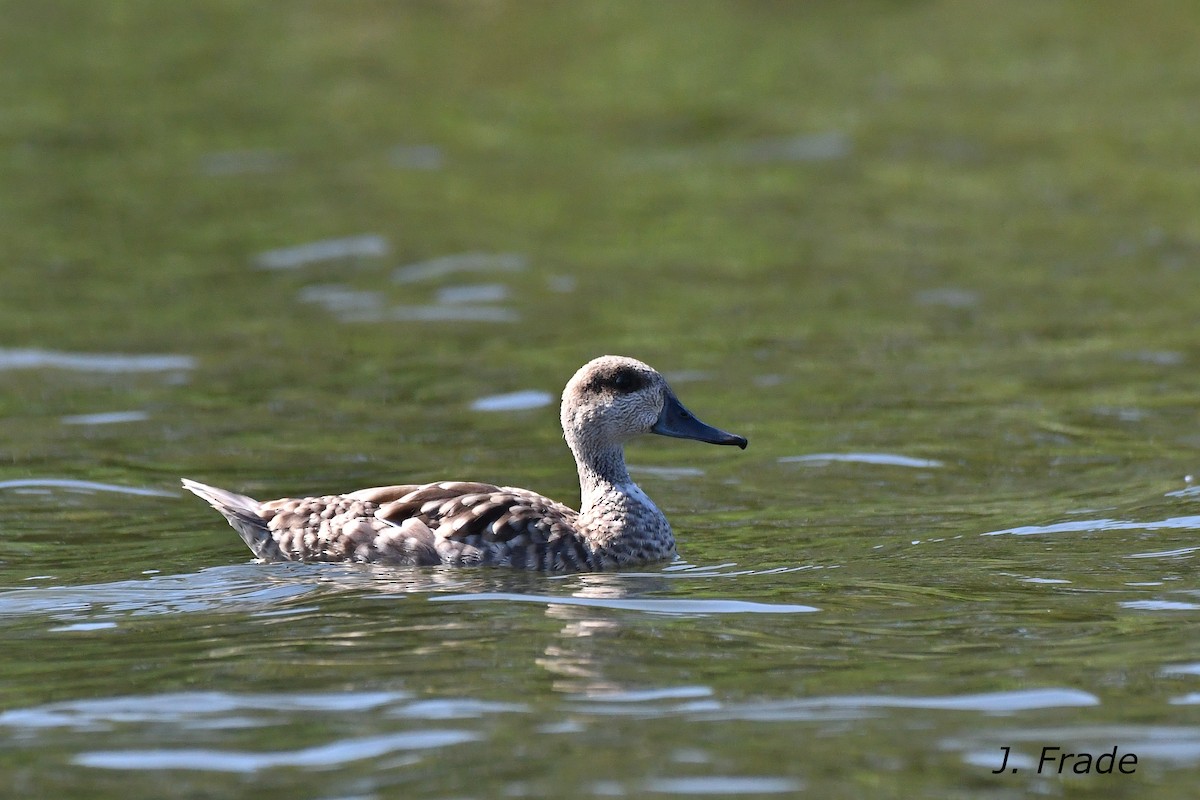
1055	761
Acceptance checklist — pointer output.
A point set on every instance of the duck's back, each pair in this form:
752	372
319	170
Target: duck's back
455	523
482	524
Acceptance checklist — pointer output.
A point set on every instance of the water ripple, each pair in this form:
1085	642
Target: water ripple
92	362
456	708
857	706
188	707
655	606
1159	605
323	756
231	588
1181	551
513	401
881	459
697	703
1090	525
723	785
649	695
83	486
440	267
105	418
301	255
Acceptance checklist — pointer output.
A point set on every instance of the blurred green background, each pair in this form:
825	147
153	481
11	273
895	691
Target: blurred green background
964	232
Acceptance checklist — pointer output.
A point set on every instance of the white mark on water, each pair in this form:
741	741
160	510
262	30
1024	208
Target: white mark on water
513	401
1089	525
648	695
723	785
1160	605
106	418
462	262
1182	669
651	605
473	293
456	708
83	486
342	300
368	245
987	702
85	626
189	708
330	755
882	459
92	362
1182	551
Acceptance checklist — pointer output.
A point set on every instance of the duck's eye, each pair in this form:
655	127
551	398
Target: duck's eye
626	380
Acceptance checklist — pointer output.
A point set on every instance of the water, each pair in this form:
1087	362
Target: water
939	264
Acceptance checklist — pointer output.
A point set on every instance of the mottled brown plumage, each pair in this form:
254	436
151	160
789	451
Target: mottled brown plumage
609	400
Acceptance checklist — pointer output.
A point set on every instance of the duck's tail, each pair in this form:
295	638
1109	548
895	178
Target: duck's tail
241	511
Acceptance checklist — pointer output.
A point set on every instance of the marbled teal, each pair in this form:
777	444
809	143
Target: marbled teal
609	401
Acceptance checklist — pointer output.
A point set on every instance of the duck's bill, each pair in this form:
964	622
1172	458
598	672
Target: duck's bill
677	421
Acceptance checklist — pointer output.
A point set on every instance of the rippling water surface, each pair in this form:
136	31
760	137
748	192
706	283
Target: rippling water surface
939	263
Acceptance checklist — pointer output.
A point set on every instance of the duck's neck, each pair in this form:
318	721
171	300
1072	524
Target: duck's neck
615	514
602	470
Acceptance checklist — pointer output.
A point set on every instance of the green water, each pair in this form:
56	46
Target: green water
959	239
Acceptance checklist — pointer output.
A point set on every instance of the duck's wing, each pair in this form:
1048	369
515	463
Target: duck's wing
452	522
381	495
479	523
329	528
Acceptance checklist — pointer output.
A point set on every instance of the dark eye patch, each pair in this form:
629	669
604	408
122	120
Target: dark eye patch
622	380
627	380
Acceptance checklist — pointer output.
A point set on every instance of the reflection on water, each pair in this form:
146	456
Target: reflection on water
11	359
105	418
472	293
885	459
1089	525
44	485
322	757
346	303
513	401
444	266
368	245
648	605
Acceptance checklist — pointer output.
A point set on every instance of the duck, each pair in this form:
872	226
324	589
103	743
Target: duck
608	401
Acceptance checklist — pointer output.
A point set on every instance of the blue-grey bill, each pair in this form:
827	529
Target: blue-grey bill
677	421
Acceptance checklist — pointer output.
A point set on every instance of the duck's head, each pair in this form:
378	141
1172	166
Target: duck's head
612	399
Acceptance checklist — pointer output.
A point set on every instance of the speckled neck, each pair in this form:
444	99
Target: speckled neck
601	470
621	524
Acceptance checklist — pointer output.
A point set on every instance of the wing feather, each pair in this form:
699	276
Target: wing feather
478	523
